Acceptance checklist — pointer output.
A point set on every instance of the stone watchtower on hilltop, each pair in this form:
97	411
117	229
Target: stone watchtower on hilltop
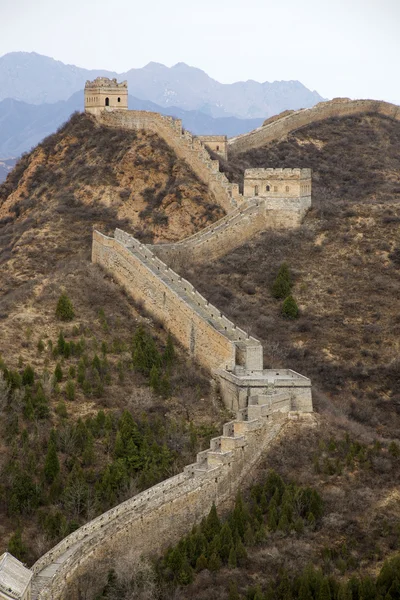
105	94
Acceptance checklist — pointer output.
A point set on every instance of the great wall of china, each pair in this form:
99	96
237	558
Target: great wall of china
266	401
279	127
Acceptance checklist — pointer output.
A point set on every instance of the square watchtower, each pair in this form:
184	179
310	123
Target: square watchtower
105	94
277	183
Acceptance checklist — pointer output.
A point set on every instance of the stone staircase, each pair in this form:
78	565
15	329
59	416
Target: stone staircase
255	417
262	418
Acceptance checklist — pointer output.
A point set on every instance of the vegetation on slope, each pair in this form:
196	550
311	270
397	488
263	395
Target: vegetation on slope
336	536
344	263
95	401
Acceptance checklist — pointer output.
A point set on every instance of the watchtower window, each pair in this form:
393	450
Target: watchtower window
256	190
119	99
287	188
217	148
107	102
267	189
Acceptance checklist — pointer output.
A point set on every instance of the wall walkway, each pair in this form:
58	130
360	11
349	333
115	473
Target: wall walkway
281	127
149	522
253	216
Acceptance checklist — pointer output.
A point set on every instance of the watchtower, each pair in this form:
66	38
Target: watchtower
216	143
277	183
105	94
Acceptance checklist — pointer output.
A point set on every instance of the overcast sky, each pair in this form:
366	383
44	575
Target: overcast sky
338	47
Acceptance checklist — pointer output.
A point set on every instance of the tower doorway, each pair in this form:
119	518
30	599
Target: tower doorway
107	102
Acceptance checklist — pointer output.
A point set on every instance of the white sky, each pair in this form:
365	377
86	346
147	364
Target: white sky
338	47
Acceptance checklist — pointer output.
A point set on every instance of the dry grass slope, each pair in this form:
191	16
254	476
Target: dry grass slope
83	177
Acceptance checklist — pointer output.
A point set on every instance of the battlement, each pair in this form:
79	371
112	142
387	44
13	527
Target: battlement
278	174
277	183
105	82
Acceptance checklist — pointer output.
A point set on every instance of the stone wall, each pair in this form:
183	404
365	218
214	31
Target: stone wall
277	183
186	146
210	337
149	522
281	127
216	143
235	229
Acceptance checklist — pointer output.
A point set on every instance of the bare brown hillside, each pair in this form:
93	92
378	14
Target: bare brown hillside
77	387
345	265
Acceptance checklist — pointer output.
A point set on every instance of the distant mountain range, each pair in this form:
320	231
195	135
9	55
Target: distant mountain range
23	125
36	79
38	94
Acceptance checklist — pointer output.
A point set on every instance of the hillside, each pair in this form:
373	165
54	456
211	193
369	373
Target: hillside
344	262
345	265
65	384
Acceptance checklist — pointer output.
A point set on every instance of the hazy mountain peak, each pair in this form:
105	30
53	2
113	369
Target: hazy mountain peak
38	79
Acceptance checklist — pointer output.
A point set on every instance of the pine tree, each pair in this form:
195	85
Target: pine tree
324	591
240	516
290	310
249	538
52	464
214	564
241	553
61	343
283	524
283	283
16	547
165	386
155	378
201	563
169	352
58	374
144	352
272	520
70	390
225	542
232	560
28	376
64	310
212	524
304	590
233	591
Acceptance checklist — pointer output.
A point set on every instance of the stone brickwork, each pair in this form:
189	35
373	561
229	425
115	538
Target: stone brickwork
216	143
253	216
105	94
149	522
281	127
214	341
277	183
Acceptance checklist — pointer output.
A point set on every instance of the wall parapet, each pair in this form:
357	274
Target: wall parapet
151	520
282	126
253	216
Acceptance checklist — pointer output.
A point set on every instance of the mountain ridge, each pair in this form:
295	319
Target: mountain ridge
23	125
35	79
